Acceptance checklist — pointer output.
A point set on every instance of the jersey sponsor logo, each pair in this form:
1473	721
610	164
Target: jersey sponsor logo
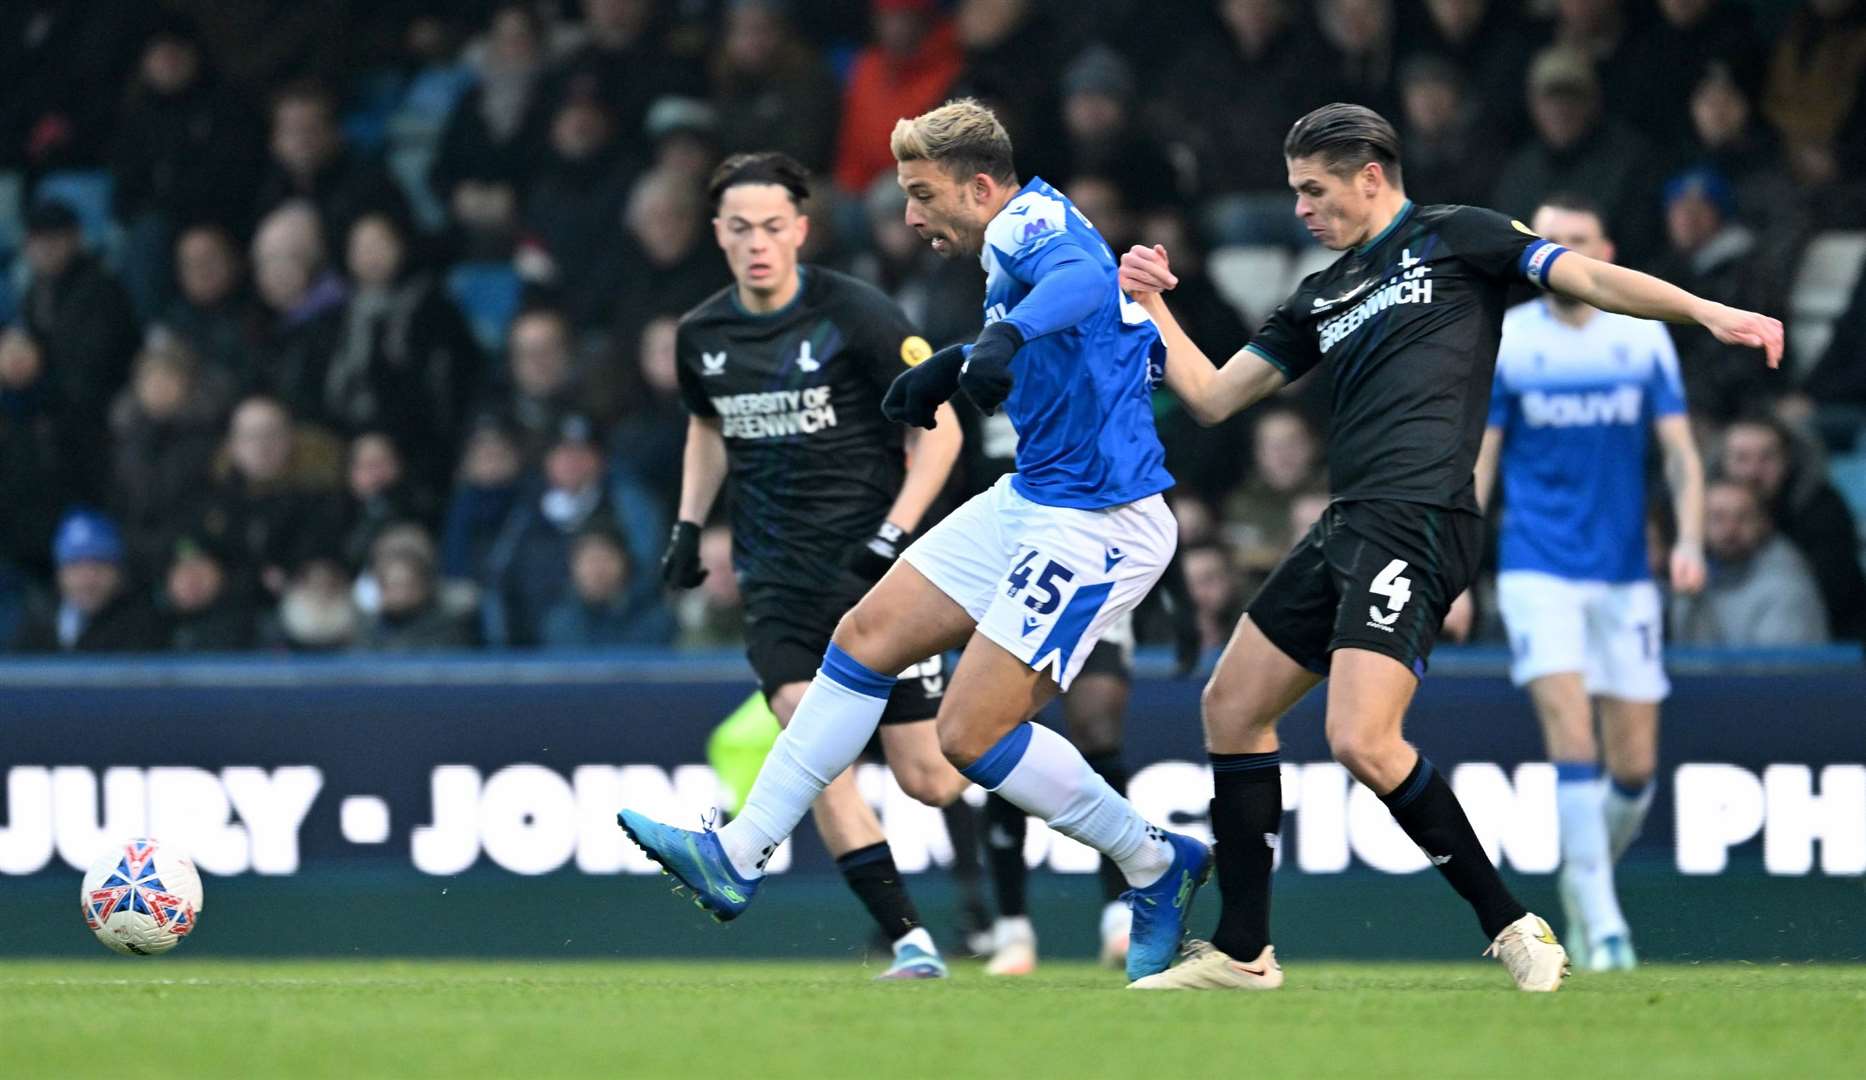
712	363
915	350
805	362
1593	408
1411	287
776	414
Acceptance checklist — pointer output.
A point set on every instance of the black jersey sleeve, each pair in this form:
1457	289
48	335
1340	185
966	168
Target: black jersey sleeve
687	371
885	333
1501	247
1285	343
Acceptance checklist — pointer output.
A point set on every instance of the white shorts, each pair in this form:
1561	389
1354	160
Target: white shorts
1046	582
1610	632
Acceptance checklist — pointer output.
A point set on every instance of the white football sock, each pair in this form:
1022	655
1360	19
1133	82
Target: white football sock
917	936
1626	815
1584	852
1038	771
834	721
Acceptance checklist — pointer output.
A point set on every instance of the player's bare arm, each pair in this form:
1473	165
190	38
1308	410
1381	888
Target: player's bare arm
931	455
1485	472
702	474
1684	475
1210	394
1629	292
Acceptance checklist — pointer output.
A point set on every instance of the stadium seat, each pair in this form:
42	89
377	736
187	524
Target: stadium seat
88	192
1848	472
487	293
12	214
1251	278
1823	284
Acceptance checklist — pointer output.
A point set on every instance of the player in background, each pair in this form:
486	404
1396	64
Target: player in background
1575	393
1410	317
783	372
1028	576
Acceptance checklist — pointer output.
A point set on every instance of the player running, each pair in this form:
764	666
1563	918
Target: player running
1027	576
1576	390
1410	315
783	372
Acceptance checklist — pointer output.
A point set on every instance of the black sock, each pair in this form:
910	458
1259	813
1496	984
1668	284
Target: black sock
962	829
1425	807
1111	768
1247	818
1005	826
872	877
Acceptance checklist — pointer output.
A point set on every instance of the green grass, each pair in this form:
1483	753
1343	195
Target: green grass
202	1018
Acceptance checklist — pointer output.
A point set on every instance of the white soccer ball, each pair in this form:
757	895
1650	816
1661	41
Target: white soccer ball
141	898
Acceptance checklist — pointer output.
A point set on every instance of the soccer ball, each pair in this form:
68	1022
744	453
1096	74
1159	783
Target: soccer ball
141	898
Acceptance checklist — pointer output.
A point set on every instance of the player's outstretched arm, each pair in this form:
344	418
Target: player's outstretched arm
1211	394
1684	474
1629	292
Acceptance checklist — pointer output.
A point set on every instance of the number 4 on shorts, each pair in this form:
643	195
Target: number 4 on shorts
1396	589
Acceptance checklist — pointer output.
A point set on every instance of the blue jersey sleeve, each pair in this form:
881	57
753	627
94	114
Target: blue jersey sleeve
1067	286
1667	388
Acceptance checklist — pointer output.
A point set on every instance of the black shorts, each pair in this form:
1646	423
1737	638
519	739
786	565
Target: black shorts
1377	575
788	630
1108	658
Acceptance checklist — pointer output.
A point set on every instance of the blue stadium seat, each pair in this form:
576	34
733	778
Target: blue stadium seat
88	192
1848	472
487	293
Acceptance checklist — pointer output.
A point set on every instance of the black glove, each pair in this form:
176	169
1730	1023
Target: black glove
680	563
869	561
917	392
986	376
1177	603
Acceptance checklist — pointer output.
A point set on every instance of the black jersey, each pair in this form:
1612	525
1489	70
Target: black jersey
1410	321
813	464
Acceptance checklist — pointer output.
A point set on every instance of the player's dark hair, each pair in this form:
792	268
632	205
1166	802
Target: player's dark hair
1346	137
765	167
1577	203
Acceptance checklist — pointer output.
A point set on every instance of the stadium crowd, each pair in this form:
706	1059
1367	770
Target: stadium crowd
333	326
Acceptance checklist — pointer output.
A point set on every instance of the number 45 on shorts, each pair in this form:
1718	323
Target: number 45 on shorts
1396	589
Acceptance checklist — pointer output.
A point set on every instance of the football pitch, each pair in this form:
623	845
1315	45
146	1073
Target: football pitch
211	1018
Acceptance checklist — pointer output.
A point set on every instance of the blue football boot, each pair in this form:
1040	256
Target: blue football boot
696	860
914	962
1162	908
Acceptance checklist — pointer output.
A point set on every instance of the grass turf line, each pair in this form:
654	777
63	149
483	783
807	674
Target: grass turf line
710	1019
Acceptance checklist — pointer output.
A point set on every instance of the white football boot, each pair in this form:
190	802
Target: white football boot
1117	919
1527	947
1013	947
1203	967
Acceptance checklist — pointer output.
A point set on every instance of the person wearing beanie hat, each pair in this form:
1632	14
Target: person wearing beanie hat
95	611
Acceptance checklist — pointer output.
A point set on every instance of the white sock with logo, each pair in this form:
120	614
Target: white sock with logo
1587	865
1626	815
1038	771
833	722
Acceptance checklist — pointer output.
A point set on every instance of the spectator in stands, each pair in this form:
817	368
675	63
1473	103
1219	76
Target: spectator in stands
908	70
542	384
185	151
651	436
273	506
626	61
1104	140
1447	143
1577	148
1487	42
684	133
940	296
310	161
1362	65
1013	62
1217	596
1601	33
1806	509
601	610
1814	94
410	617
494	133
1727	136
39	450
259	43
713	615
306	301
1834	393
528	569
573	207
1286	462
772	90
1760	591
316	611
379	495
97	611
165	429
61	66
406	362
78	312
215	312
204	613
1713	254
1666	60
491	468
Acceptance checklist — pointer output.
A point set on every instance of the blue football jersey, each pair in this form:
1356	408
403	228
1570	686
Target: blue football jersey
1576	406
1081	400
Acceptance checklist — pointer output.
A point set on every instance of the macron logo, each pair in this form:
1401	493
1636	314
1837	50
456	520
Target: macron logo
1031	622
1113	555
1595	408
712	363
